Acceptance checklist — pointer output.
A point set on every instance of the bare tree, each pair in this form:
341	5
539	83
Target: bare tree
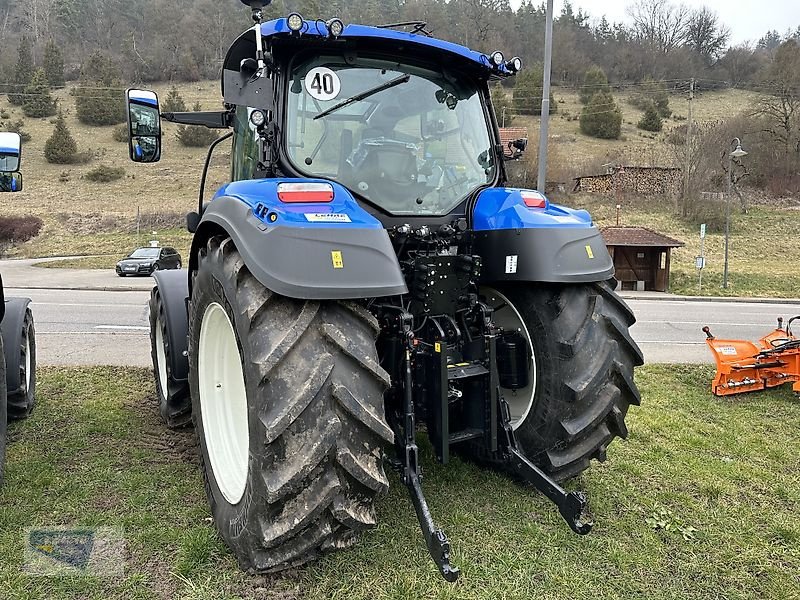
780	109
660	24
706	35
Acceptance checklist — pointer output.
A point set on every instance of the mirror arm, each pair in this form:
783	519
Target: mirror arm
211	119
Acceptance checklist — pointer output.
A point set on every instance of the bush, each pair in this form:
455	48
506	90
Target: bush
99	98
61	148
104	174
601	117
652	92
651	121
53	64
196	136
19	229
38	102
173	102
120	133
17	127
594	80
527	96
677	135
22	72
4	114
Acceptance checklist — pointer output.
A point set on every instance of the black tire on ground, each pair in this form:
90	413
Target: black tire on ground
315	416
3	413
121	274
585	359
174	402
22	400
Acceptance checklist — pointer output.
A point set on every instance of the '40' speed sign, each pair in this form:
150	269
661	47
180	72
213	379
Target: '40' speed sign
323	83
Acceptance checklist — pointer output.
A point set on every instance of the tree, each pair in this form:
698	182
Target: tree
99	97
594	80
601	117
173	102
196	136
659	24
527	96
651	121
501	103
781	108
37	101
23	72
53	64
61	148
705	35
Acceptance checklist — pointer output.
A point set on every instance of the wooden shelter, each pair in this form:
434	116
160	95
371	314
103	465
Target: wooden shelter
641	257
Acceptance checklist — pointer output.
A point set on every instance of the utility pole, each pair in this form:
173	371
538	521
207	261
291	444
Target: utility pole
688	148
548	59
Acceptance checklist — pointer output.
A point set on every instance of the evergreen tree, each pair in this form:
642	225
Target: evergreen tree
594	80
196	136
601	117
54	64
651	121
173	102
527	96
37	101
23	72
502	106
61	148
99	99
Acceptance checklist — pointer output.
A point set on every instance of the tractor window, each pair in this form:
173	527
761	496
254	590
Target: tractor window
245	145
414	143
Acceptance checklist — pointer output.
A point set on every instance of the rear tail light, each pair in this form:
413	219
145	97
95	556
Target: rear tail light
305	192
534	199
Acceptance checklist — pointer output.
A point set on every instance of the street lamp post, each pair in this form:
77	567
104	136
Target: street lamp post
735	153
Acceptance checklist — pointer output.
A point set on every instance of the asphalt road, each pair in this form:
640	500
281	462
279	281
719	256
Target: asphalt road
80	327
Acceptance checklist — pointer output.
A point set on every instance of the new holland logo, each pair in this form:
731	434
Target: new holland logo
95	552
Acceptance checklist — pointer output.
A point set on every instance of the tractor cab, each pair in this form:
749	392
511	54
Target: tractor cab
10	158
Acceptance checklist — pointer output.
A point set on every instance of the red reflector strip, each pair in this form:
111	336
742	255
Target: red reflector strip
305	192
534	200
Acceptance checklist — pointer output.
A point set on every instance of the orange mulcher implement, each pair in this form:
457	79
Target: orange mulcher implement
744	366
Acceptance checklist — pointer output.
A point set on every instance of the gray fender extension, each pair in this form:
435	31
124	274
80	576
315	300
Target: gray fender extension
298	262
547	254
173	285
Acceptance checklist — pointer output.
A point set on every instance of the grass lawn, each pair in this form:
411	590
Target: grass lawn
701	502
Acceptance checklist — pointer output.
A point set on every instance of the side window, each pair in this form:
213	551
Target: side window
245	146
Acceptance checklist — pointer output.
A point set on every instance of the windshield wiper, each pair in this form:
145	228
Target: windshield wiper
363	95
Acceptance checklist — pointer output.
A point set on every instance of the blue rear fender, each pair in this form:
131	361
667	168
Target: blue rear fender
306	250
522	236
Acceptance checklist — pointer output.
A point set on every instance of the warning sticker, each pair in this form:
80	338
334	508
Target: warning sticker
323	84
729	350
327	217
511	263
589	252
336	258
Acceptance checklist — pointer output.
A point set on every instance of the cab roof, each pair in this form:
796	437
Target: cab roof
423	44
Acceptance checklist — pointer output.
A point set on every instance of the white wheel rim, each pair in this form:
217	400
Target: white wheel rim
28	361
223	403
161	356
507	316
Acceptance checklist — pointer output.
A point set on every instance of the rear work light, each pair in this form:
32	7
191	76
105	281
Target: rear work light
534	200
305	192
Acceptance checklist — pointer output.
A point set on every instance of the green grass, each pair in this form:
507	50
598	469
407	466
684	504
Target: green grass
106	261
722	473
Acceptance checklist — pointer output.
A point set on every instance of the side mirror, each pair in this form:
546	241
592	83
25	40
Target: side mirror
10	151
11	182
144	126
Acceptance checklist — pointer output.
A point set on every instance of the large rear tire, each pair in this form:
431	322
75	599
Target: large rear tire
174	402
287	400
22	401
581	375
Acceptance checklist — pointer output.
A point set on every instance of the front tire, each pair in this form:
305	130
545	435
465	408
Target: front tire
581	374
300	383
22	401
174	402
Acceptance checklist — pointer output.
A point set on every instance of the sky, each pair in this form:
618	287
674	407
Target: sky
747	19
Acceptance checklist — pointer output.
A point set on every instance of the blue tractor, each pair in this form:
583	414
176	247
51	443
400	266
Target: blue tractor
17	333
365	272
